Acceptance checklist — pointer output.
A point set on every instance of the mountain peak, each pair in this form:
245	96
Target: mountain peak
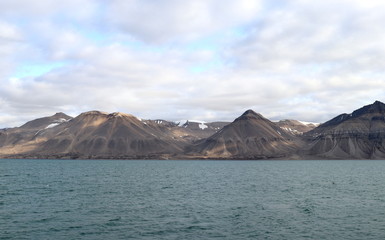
251	113
249	135
376	107
61	115
100	116
119	114
248	112
94	112
40	123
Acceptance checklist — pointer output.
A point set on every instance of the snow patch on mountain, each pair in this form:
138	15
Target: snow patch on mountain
56	123
202	126
185	123
52	125
181	122
308	123
294	131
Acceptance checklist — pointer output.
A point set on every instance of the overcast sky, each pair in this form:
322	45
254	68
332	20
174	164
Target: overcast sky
197	59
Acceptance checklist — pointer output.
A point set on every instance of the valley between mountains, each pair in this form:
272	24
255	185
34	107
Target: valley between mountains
99	135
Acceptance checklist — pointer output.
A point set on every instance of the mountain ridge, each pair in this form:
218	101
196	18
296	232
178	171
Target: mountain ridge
359	135
250	135
97	134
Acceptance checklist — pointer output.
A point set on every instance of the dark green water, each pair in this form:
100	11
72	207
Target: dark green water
97	199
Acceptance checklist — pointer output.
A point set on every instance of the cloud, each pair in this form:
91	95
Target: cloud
173	20
11	42
303	34
330	51
43	9
209	60
113	78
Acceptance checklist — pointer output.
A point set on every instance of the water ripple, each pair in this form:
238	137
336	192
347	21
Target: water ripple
65	199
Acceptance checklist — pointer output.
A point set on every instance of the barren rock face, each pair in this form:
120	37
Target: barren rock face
356	135
102	134
29	133
94	134
296	127
250	135
98	134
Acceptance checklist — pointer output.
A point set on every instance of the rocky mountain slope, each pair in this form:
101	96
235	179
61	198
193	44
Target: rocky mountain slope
359	135
94	134
249	136
97	134
24	138
296	127
193	131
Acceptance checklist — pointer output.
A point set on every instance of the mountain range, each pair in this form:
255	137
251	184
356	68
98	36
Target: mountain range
100	135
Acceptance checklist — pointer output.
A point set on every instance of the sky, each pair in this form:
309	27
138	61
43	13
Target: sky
199	59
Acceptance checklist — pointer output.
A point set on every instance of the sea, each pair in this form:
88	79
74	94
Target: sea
200	199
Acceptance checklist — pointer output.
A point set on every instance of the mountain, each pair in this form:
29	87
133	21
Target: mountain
250	136
96	134
188	130
192	130
296	127
46	122
359	135
15	140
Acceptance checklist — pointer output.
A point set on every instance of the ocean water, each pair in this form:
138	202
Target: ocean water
115	199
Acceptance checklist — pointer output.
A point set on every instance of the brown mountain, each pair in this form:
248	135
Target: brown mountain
193	131
188	131
46	122
96	134
20	139
359	135
250	136
295	127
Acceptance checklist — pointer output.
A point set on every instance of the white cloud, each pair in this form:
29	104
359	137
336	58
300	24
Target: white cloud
37	10
173	20
331	51
211	59
320	32
10	42
113	78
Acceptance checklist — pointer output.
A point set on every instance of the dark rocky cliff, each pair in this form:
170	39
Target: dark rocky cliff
94	134
250	136
359	135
